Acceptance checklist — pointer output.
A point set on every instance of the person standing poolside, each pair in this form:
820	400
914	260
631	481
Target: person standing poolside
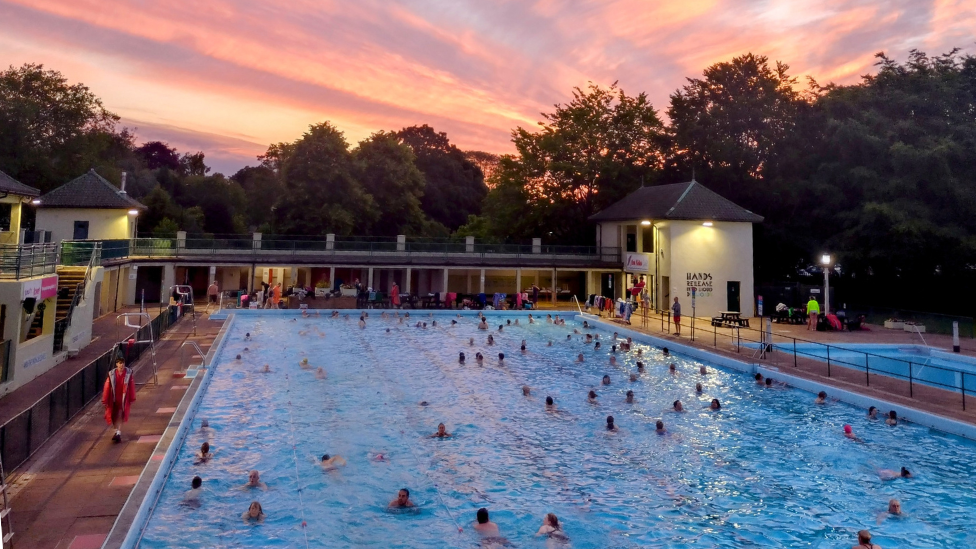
402	500
813	309
117	396
535	296
276	294
864	541
212	292
676	312
395	295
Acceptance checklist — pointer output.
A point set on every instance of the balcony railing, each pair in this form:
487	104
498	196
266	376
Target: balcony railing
28	260
341	248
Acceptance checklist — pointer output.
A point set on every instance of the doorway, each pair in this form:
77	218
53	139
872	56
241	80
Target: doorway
665	293
733	294
606	285
150	281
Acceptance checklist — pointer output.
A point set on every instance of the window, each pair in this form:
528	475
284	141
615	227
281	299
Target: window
5	212
81	230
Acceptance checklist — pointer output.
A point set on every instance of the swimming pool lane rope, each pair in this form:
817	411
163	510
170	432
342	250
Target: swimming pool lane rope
369	351
294	454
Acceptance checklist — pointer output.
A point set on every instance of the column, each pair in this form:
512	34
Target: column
444	291
468	277
180	241
331	277
369	278
169	280
482	285
554	286
518	280
255	241
469	244
407	286
401	242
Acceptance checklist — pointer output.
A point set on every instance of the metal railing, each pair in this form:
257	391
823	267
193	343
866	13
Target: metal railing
920	378
343	248
24	434
28	260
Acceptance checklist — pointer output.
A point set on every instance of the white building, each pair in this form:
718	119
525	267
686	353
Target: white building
683	238
88	208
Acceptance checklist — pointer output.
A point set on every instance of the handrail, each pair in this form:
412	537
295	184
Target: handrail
576	299
193	344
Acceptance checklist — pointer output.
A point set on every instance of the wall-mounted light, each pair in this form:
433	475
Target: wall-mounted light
36	201
645	223
133	212
707	224
825	259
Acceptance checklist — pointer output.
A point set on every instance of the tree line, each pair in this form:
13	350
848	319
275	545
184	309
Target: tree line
880	173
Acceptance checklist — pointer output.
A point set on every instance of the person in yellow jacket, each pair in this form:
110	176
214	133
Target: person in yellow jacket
813	309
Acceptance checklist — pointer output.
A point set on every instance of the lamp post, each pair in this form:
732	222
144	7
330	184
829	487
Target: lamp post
825	259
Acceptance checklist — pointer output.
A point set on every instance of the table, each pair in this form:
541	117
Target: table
730	318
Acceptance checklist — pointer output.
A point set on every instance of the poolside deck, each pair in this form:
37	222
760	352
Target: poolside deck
68	495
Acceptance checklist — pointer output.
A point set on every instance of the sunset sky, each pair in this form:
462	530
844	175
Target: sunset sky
230	77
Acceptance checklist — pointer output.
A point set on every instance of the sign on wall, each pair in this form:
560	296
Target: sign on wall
636	263
41	288
701	283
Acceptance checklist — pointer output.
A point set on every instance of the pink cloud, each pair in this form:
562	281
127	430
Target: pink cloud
265	69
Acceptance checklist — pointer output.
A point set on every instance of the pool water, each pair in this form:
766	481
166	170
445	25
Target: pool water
771	469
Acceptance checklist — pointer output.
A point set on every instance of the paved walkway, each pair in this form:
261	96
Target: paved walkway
921	397
67	496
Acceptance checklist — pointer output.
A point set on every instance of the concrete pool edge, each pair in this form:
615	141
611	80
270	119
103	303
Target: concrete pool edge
905	413
132	519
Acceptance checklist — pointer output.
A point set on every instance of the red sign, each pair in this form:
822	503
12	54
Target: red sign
41	288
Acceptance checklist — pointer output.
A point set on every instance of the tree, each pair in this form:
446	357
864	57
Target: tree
586	155
157	154
221	201
454	186
487	162
51	131
260	185
321	195
386	170
193	164
159	206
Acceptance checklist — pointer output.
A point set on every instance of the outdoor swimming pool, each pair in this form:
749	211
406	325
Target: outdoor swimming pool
770	469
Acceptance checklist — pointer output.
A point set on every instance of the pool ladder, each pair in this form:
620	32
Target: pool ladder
139	326
198	352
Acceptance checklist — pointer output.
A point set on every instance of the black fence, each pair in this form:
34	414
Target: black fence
24	434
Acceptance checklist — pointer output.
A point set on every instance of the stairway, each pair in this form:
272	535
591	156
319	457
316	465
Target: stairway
68	280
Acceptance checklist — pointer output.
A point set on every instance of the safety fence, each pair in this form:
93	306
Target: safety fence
24	434
922	376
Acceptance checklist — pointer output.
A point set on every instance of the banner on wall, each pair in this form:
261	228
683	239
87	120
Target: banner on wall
636	263
41	288
700	283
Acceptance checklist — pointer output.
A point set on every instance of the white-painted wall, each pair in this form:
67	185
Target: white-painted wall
724	251
103	224
31	358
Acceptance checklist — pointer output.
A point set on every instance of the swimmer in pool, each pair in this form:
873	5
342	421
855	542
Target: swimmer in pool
491	340
550	343
640	352
892	418
888	474
320	373
715	405
640	367
483	325
526	390
615	335
335	314
402	500
500	326
569	337
576	331
579	357
589	338
479	358
453	322
633	378
204	455
665	352
596	346
676	406
613	360
237	358
516	322
441	432
548	319
254	513
673	369
630	397
331	463
698	388
849	433
591	397
247	336
821	398
254	480
192	496
471	341
362	322
550	404
610	425
266	369
523	349
531	320
759	379
501	357
659	428
551	529
703	371
485	527
304	364
606	380
461	358
872	413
